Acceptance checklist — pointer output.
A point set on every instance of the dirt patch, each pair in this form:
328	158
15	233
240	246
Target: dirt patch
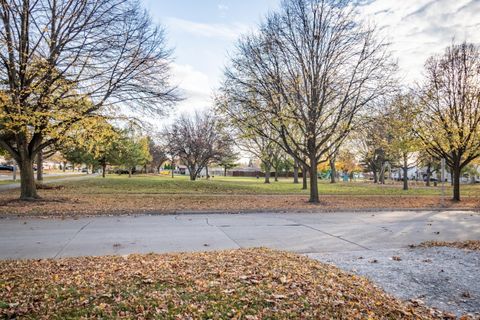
49	187
468	244
239	284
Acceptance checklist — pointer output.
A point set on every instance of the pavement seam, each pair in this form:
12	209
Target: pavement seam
71	239
226	235
334	236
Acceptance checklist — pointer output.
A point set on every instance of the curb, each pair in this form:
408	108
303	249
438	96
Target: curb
226	212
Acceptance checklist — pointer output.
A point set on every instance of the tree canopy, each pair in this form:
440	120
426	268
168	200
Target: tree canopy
65	60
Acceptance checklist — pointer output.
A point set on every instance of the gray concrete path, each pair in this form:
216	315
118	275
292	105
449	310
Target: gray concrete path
9	177
299	232
61	178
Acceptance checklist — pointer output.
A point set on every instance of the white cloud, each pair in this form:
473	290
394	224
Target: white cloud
419	29
195	86
222	7
209	30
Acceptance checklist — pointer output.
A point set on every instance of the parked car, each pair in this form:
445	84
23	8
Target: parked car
84	170
431	179
6	168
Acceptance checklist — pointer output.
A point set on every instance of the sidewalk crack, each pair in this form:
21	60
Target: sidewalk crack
71	239
332	235
226	235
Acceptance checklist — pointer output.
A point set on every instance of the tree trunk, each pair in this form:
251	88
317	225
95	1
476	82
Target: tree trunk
429	175
40	166
333	172
405	172
206	173
193	173
64	166
73	166
295	172
276	175
130	172
224	171
304	177
267	174
158	168
313	183
104	169
28	190
456	183
381	177
375	176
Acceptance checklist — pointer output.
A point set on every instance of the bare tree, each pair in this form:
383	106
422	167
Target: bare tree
315	67
197	141
65	59
449	125
264	149
244	125
371	142
158	154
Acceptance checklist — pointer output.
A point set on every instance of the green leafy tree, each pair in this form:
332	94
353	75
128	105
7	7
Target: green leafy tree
133	152
227	162
403	140
93	141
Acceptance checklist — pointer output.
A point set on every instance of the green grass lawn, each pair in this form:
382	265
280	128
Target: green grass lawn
240	185
94	195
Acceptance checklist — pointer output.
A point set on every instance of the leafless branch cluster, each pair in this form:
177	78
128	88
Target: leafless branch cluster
197	141
65	59
449	124
307	74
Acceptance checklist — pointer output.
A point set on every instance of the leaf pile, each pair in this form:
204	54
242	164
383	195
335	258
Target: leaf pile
140	194
467	244
69	202
238	284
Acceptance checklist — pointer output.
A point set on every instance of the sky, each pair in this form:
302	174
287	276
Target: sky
202	32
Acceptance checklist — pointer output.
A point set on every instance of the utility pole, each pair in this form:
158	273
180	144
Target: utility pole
442	164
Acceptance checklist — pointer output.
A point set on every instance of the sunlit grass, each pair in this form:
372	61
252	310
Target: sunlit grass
150	184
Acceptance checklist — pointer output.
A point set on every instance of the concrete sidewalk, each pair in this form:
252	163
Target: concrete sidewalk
61	177
298	232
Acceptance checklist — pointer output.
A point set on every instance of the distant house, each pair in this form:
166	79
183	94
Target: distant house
420	174
181	169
